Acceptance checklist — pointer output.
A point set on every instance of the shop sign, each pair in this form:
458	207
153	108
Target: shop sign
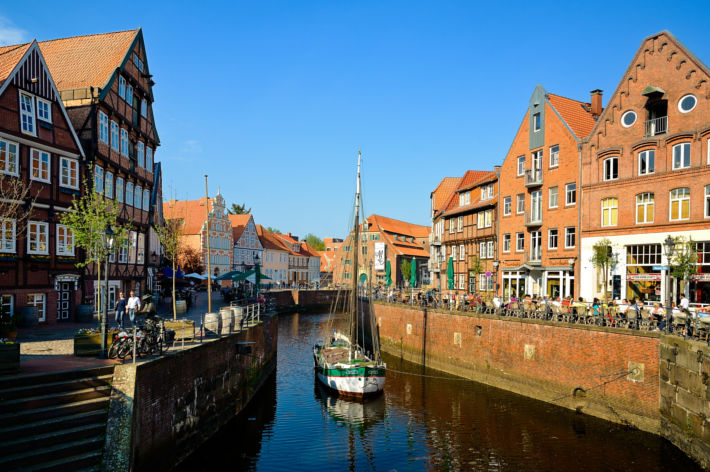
701	277
660	267
643	277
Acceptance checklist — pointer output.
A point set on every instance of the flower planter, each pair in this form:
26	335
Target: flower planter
9	357
89	345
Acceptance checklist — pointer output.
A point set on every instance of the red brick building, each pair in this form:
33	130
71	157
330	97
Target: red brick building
39	147
646	173
439	197
539	197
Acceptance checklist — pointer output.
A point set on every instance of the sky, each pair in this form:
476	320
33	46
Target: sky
272	100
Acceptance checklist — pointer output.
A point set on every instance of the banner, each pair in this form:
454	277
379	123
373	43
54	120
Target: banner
380	257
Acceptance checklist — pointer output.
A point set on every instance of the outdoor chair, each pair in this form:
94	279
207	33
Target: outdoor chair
704	328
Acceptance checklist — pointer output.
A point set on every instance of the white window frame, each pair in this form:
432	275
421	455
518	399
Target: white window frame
608	205
707	201
482	250
507	205
519	238
520	204
462	252
643	156
129	201
28	121
146	203
683	155
8	245
610	164
121	87
573	232
451	226
123	253
119	193
42	228
521	165
47	106
129	95
550	233
537	122
66	247
115	136
459	224
645	205
108	184
9	163
41	307
124	142
39	157
506	242
556	193
568	193
98	179
69	164
491	249
554	156
8	302
140	153
103	127
686	196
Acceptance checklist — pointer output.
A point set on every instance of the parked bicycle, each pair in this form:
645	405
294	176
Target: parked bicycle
151	337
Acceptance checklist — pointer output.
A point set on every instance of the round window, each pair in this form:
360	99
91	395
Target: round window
687	103
628	118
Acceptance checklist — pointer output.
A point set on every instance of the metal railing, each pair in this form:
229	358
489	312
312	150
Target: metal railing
534	256
533	177
656	126
533	218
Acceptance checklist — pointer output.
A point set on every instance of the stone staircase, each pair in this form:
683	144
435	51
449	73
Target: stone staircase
54	421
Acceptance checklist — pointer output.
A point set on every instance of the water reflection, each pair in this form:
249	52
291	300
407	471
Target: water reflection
425	420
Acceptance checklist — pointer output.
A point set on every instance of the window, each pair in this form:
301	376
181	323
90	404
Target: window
570	237
123	253
27	114
68	172
38	300
140	155
119	189
647	162
462	252
108	187
133	245
644	208
488	214
519	242
121	87
520	203
536	122
451	226
610	211
99	179
482	250
481	220
146	199
460	199
129	193
129	95
462	281
521	165
149	159
611	168
680	204
707	201
124	142
506	206
7	235
681	156
491	249
459	224
114	135
687	103
65	241
8	157
553	197
555	155
138	199
571	194
628	119
103	127
144	108
552	238
7	304
37	237
39	165
44	110
453	252
137	62
506	242
140	259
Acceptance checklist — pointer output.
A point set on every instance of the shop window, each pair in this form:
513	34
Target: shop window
642	281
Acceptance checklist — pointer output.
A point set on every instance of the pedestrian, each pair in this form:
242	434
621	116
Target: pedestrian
134	303
684	304
120	309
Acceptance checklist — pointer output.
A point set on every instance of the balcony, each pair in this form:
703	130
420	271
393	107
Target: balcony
534	256
533	219
533	178
434	240
656	126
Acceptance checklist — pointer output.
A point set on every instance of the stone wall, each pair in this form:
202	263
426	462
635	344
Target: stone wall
685	409
293	300
608	373
162	410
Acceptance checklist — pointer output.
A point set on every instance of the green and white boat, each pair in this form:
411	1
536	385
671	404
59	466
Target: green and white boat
342	364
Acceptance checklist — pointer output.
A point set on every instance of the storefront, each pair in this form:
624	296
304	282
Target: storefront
513	284
700	282
643	281
559	283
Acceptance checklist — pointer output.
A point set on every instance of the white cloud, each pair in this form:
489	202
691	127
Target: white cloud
11	34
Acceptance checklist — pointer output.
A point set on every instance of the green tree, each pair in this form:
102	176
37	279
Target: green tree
170	237
406	268
238	209
684	262
315	242
603	258
273	230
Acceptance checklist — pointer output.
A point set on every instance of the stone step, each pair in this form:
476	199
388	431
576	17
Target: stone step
54	411
44	453
89	462
55	387
59	376
41	401
63	436
23	430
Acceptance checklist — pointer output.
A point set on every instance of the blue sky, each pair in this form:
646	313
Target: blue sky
273	99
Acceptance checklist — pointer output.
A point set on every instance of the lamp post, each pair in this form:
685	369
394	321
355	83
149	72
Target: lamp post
496	264
669	245
107	241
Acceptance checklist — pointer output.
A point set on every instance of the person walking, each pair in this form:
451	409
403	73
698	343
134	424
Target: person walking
120	309
134	303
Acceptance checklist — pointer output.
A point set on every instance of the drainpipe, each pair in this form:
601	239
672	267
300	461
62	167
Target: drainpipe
577	266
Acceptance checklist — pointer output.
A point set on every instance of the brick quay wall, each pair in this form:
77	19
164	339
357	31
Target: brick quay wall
164	409
285	301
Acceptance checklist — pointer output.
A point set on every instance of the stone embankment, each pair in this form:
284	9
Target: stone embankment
285	301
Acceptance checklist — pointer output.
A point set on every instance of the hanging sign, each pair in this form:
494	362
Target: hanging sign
380	256
701	277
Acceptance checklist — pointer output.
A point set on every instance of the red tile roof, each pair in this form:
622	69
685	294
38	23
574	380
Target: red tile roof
9	58
192	212
239	224
399	227
405	249
576	114
86	61
442	191
469	179
269	239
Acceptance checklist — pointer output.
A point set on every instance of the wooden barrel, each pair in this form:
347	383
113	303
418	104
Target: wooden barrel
28	317
238	313
225	313
213	323
180	307
84	314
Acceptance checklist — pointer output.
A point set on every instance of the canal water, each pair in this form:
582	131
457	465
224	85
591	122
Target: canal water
425	420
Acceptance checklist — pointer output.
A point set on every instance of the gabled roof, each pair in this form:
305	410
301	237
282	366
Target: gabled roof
469	179
269	240
404	249
10	58
87	61
442	192
576	114
307	250
192	212
239	224
399	227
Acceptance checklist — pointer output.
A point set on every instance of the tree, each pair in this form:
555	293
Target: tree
603	258
315	242
15	201
88	217
189	260
238	209
684	262
170	237
476	266
273	230
406	267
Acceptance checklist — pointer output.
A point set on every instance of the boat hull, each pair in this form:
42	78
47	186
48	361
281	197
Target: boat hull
356	382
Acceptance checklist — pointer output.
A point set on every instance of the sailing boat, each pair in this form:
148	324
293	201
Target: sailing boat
341	362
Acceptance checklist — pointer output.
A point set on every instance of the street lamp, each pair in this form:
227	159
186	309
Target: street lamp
107	241
496	264
669	245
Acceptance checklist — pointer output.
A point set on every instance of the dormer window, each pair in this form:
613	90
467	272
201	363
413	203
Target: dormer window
44	110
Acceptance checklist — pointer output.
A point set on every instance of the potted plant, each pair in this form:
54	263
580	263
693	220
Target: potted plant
9	355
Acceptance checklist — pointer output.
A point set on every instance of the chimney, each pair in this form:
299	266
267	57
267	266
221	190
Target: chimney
596	102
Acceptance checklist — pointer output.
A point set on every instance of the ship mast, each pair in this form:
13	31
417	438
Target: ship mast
356	247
